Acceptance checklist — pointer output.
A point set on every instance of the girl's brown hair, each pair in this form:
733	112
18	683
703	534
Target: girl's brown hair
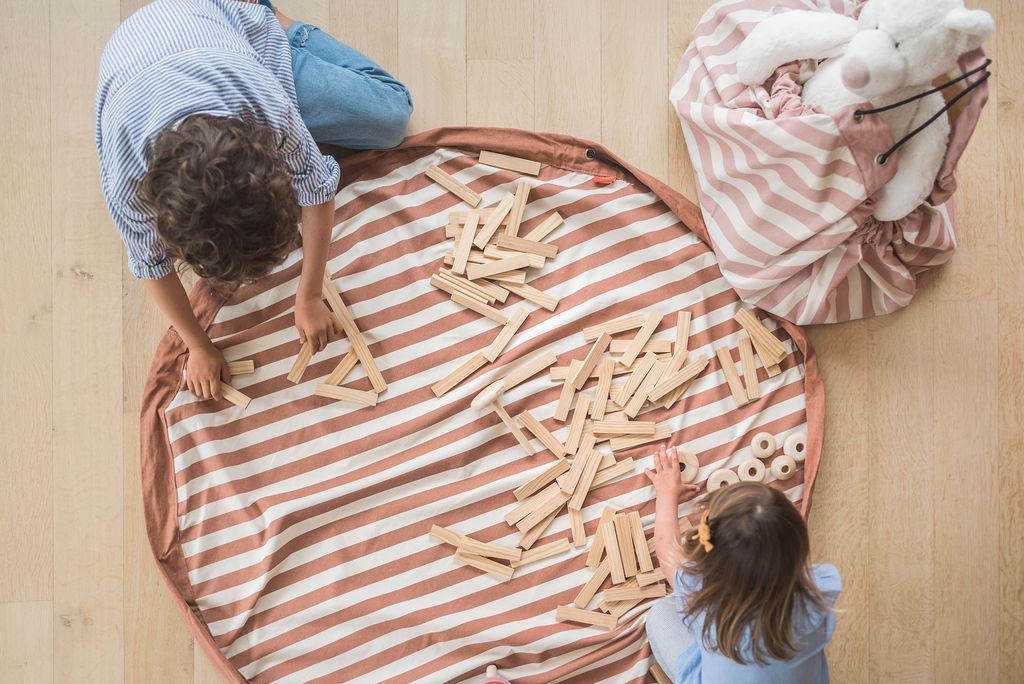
756	575
223	199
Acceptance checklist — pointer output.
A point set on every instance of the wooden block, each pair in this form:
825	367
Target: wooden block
643	556
467	368
682	332
599	406
445	535
515	215
768	346
244	367
344	367
451	288
486	550
579	418
234	396
355	337
597	548
590	589
579	535
636	378
632	593
562	372
511	327
301	361
532	294
567	482
624	535
656	346
590	361
529	504
477	289
750	382
606	475
458	217
614	326
346	394
626	427
448	182
646	579
739	393
773	370
542	480
518	244
611	546
514	428
530	538
680	377
659	674
552	504
650	324
619	608
492	289
542	552
498	216
586	617
528	368
497	267
486	564
484	310
607	460
464	245
545	227
549	441
510	277
639	398
586	481
494	252
566	397
624	443
504	161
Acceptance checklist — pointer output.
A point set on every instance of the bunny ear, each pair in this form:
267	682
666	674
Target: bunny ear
975	25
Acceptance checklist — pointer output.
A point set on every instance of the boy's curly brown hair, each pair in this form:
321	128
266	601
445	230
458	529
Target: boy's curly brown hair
224	202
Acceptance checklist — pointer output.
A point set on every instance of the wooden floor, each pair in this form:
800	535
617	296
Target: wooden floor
920	501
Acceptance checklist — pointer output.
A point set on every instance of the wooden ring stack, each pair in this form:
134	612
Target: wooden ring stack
783	467
690	466
795	447
763	445
751	470
721	478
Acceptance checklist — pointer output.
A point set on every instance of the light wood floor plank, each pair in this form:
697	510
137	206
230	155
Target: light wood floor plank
567	41
499	67
432	60
26	642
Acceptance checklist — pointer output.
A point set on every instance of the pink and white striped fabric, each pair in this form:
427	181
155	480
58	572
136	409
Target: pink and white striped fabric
786	190
294	533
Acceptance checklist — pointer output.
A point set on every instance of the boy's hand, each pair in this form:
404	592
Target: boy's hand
205	370
315	323
665	476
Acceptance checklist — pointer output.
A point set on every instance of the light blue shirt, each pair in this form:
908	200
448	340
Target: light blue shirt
812	627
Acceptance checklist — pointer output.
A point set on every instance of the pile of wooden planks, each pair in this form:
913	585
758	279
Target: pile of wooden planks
243	367
490	261
770	351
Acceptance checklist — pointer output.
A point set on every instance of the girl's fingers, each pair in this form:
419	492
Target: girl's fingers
650	474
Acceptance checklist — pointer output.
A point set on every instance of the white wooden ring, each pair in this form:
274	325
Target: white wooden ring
763	445
783	467
721	478
795	447
690	465
751	471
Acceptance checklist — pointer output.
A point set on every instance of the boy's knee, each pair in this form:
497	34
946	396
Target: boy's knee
394	121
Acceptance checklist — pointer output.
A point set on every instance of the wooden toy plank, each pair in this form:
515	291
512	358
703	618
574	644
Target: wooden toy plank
590	361
579	535
656	346
611	547
497	267
608	474
510	277
344	367
445	535
486	564
659	674
476	289
542	480
518	244
530	538
528	368
542	552
753	388
624	535
467	368
624	427
643	556
554	502
301	361
448	182
464	244
243	367
492	289
514	428
645	579
511	327
488	550
345	394
586	480
515	215
505	161
605	373
567	482
549	441
451	288
484	310
768	346
458	217
651	322
592	585
495	252
545	227
683	375
635	379
237	398
597	547
532	294
682	339
614	326
624	443
639	398
529	504
579	417
355	337
496	217
632	593
586	617
739	393
562	372
566	396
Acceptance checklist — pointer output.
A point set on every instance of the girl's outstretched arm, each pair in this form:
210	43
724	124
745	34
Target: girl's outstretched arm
669	489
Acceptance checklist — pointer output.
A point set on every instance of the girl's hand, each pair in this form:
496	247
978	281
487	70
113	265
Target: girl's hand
205	370
666	479
315	323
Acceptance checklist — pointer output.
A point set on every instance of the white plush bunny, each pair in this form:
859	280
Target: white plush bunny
892	51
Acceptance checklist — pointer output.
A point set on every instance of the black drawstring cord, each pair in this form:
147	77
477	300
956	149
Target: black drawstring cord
597	156
859	113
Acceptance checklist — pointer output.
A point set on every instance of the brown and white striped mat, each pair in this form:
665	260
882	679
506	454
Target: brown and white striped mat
294	533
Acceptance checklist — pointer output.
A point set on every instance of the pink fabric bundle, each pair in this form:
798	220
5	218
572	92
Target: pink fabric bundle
786	190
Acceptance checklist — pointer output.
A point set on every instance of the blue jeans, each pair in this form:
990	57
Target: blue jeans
345	99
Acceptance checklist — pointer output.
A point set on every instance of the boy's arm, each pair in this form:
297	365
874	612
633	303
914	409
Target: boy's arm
206	367
312	317
668	488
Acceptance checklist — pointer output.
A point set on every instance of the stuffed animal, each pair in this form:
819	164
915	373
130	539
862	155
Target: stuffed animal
891	52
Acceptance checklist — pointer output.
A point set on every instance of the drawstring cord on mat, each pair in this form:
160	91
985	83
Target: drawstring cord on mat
597	156
861	113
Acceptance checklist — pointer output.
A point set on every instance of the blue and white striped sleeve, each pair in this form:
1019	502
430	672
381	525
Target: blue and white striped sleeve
315	176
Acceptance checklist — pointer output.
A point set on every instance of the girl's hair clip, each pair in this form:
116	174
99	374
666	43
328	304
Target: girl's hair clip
704	533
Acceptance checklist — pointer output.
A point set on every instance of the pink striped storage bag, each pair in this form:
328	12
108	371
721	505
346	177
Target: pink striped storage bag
786	190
